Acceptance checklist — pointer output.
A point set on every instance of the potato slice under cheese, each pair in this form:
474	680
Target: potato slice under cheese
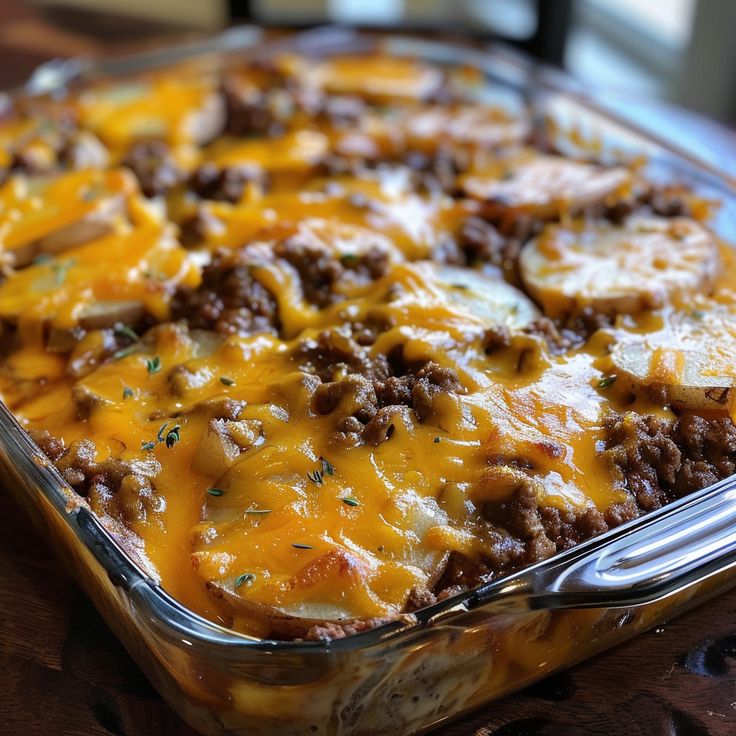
690	362
488	298
543	186
466	125
642	264
182	108
80	289
377	78
294	152
52	214
292	538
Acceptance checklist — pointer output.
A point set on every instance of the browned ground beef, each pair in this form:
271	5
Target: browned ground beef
330	630
224	184
335	353
115	487
483	243
320	271
229	300
660	460
154	167
365	407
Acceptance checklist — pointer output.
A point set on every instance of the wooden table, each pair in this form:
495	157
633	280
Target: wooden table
62	671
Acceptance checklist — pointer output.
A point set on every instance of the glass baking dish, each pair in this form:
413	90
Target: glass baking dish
444	660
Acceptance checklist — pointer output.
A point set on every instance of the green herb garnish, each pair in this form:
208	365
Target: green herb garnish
697	314
348	259
299	545
327	467
351	501
60	270
124	352
227	381
42	258
215	491
127	392
607	381
148	446
125	331
436	440
246	577
153	365
161	430
316	476
173	436
257	511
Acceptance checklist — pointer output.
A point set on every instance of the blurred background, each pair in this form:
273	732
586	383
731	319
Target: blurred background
645	51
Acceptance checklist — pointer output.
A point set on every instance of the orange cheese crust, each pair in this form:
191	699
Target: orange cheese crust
326	341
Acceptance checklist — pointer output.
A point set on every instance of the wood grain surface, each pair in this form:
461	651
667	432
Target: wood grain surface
62	671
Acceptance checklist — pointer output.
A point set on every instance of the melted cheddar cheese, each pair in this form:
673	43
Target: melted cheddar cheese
310	378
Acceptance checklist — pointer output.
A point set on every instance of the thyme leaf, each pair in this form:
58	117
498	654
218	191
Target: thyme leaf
299	545
153	365
246	577
316	476
351	501
327	467
173	436
227	381
607	381
124	352
148	446
215	491
124	331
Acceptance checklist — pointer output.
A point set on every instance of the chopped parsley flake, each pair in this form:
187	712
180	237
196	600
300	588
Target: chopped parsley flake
607	381
127	392
227	381
161	430
436	440
215	491
148	446
697	314
247	577
153	365
351	501
299	545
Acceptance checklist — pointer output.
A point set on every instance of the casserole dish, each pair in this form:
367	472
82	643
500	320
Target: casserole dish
444	659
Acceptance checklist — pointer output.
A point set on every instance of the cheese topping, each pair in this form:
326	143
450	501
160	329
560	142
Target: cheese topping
363	383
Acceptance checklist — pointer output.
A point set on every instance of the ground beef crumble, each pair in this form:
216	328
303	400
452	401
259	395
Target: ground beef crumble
229	299
154	167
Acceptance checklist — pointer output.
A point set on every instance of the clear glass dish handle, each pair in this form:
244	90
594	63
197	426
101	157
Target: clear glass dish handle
656	556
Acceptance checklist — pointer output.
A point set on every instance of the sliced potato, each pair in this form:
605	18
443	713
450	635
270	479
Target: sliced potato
281	544
467	125
54	214
543	186
489	298
689	363
378	78
642	264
